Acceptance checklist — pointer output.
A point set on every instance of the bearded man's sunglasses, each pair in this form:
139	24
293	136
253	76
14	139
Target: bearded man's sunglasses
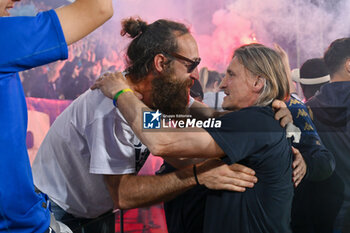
190	64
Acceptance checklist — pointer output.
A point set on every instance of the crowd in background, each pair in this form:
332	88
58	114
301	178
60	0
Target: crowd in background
68	79
88	58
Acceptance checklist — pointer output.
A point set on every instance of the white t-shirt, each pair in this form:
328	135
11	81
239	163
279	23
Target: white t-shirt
89	139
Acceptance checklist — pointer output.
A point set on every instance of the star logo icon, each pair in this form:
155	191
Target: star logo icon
156	115
151	120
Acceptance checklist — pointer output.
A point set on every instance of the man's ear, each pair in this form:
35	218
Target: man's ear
258	83
159	62
347	65
216	86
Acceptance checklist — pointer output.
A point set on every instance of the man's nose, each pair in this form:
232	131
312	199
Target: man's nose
195	74
222	84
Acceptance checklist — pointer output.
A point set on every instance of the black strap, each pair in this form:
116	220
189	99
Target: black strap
121	221
216	100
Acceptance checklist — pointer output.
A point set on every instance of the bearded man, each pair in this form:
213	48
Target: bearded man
249	135
87	163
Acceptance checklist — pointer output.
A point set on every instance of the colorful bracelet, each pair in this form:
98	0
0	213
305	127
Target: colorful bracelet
118	94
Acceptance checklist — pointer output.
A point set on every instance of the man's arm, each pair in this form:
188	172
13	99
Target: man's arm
318	160
178	143
131	191
202	111
82	17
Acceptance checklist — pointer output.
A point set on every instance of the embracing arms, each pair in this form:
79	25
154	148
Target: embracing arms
131	191
178	143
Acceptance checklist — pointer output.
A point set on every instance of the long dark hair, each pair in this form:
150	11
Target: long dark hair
148	41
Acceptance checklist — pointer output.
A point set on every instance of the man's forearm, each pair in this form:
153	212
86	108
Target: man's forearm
180	163
82	17
138	191
130	191
320	162
201	111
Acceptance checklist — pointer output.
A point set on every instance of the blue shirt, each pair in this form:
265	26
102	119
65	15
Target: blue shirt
320	162
306	212
253	138
25	42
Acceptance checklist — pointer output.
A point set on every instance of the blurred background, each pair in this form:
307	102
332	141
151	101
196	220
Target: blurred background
304	28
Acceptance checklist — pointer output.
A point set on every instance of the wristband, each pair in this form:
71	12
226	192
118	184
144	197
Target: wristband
118	94
195	174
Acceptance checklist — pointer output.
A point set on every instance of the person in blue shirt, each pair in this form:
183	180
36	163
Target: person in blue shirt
27	42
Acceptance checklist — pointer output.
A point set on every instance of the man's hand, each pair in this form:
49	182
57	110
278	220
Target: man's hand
282	113
110	84
299	167
215	174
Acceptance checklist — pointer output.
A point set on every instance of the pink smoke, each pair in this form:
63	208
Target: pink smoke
231	31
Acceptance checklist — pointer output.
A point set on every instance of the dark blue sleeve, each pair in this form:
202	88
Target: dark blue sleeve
246	132
27	42
320	162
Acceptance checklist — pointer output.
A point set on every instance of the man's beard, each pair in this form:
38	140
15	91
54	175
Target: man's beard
170	96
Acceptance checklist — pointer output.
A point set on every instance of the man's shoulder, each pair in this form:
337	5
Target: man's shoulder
89	108
251	113
95	99
255	118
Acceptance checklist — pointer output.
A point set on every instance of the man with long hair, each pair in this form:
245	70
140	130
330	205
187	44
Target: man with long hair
249	135
89	159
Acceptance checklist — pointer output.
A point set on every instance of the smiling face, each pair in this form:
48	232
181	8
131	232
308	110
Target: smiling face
171	86
187	47
239	87
256	76
6	5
